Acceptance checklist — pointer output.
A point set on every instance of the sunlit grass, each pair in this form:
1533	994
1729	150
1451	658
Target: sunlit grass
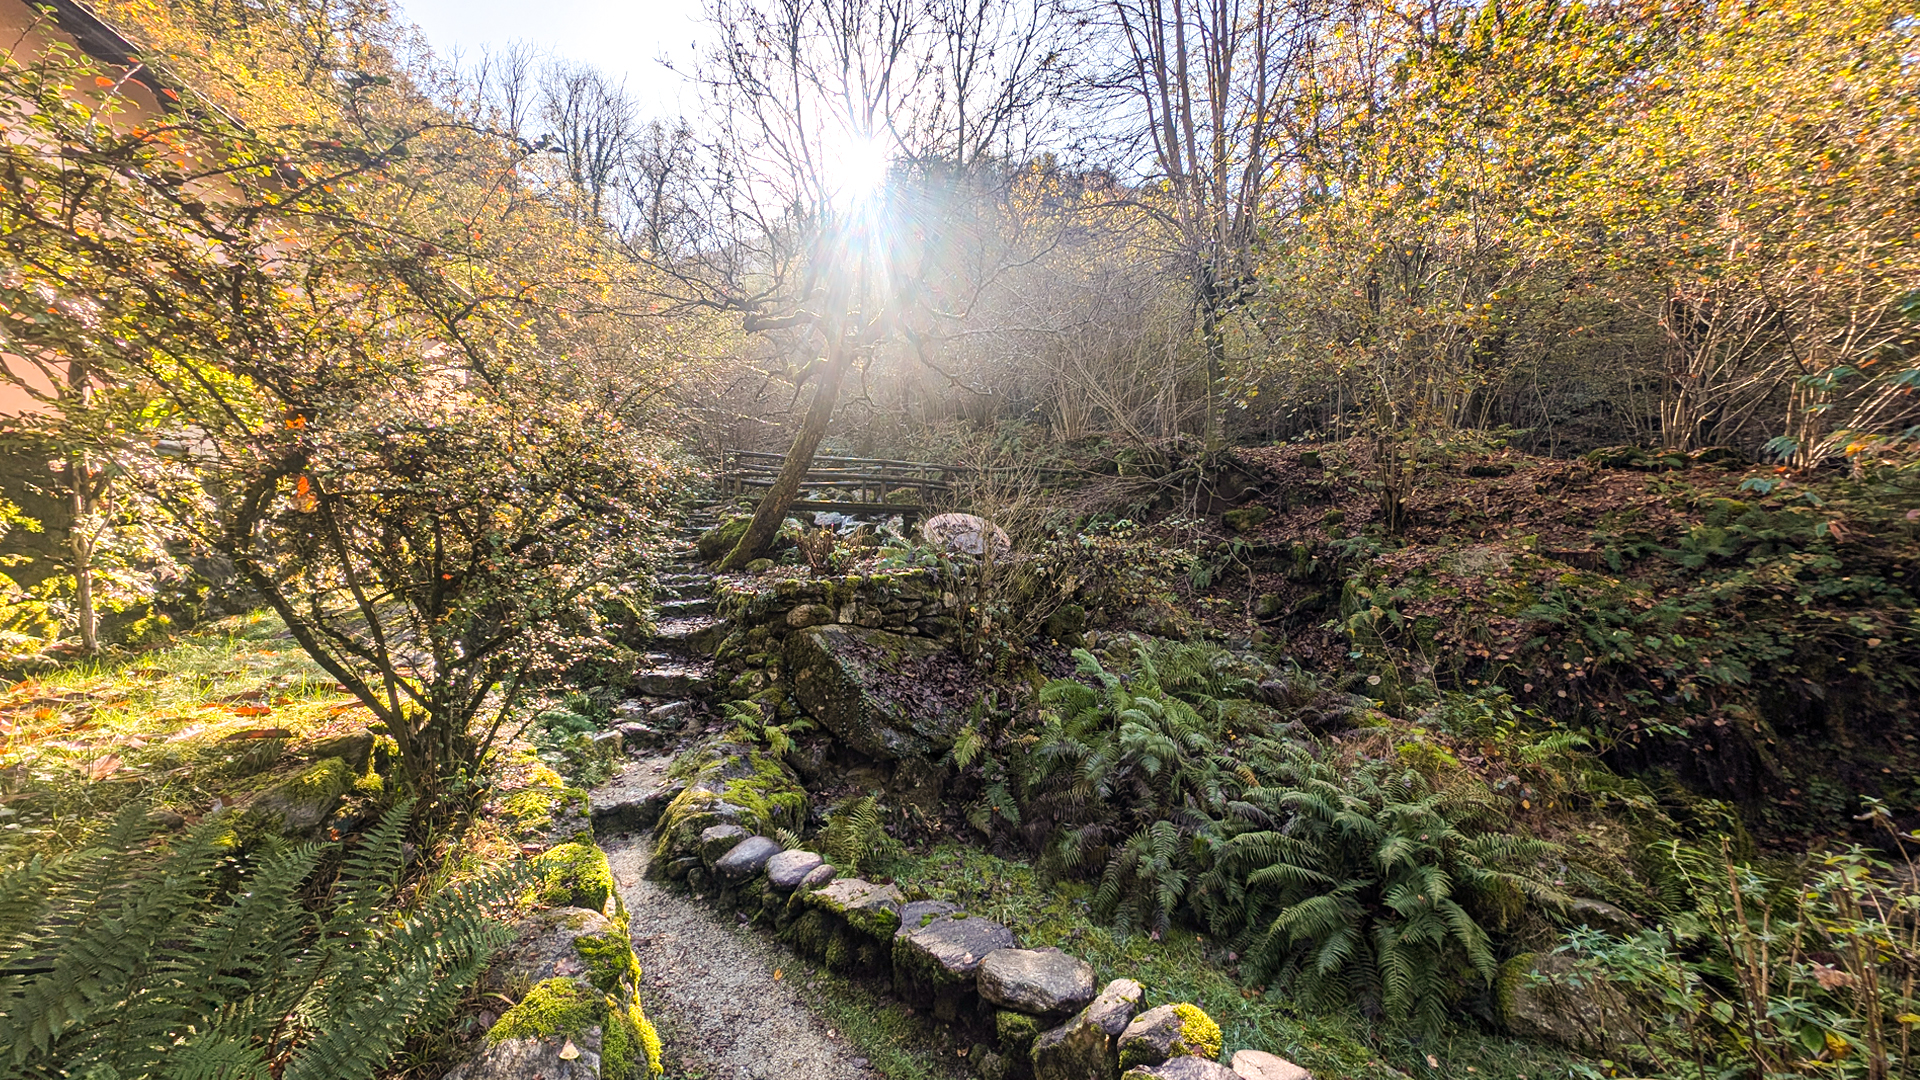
190	727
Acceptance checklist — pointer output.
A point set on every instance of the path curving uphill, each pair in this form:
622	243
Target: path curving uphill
709	982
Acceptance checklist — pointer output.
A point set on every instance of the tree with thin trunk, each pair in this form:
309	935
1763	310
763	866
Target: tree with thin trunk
854	140
1199	87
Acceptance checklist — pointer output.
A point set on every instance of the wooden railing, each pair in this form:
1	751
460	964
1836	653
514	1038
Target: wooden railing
849	485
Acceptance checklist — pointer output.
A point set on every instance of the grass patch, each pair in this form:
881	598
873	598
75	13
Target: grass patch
1182	965
208	721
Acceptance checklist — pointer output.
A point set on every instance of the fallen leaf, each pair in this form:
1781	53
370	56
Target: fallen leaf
776	974
101	768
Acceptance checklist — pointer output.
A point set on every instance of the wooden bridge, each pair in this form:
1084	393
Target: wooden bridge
846	485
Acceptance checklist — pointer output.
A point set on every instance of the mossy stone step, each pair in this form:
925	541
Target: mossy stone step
676	609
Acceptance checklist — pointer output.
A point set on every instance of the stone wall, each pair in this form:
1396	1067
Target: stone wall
753	661
1036	1012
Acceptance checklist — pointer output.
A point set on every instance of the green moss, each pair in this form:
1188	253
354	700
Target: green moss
611	964
1506	985
649	1039
770	795
1015	1031
576	874
554	1007
811	933
1198	1033
722	538
629	1045
839	954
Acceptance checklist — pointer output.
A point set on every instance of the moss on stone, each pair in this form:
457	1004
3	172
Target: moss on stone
1198	1031
1016	1032
649	1039
770	796
303	800
611	965
576	874
554	1007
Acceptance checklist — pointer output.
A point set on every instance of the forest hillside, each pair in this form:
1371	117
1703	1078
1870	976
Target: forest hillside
1056	539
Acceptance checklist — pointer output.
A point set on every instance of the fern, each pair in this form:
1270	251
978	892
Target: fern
856	835
130	960
1365	882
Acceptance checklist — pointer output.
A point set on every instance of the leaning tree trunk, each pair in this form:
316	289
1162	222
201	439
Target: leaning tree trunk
773	505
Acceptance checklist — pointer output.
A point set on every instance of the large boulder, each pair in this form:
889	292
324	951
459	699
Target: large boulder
1168	1032
851	680
1042	982
936	963
1083	1048
967	534
1538	999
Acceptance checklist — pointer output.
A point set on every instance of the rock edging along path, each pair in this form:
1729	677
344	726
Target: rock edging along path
709	981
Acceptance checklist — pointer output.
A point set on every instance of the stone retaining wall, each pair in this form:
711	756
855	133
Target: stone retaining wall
761	615
1038	1010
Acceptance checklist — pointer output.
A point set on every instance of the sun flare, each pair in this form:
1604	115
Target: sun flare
858	169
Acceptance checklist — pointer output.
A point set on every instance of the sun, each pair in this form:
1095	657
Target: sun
858	169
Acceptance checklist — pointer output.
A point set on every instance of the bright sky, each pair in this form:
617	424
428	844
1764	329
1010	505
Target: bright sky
623	38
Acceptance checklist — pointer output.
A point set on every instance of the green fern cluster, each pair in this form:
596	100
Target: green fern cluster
1364	882
1343	879
132	959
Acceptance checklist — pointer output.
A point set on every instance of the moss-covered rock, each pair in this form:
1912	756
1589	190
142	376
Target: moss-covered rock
576	874
715	543
1016	1032
836	672
727	784
1536	1000
302	801
1167	1032
1247	518
613	1028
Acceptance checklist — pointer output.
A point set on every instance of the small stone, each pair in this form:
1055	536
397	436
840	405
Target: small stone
817	877
786	870
1260	1065
1037	981
1181	1068
717	840
918	913
746	858
673	714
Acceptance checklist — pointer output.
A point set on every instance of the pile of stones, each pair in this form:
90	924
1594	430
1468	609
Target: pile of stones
1047	1018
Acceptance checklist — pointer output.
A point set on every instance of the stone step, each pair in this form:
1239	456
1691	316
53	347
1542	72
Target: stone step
680	609
697	634
683	681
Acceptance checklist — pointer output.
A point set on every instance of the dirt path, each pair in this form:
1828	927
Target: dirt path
707	980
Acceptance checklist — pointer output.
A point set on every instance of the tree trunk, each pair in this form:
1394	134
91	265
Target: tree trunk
80	549
79	542
773	505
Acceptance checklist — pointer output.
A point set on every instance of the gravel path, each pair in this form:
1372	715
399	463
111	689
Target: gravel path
707	981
